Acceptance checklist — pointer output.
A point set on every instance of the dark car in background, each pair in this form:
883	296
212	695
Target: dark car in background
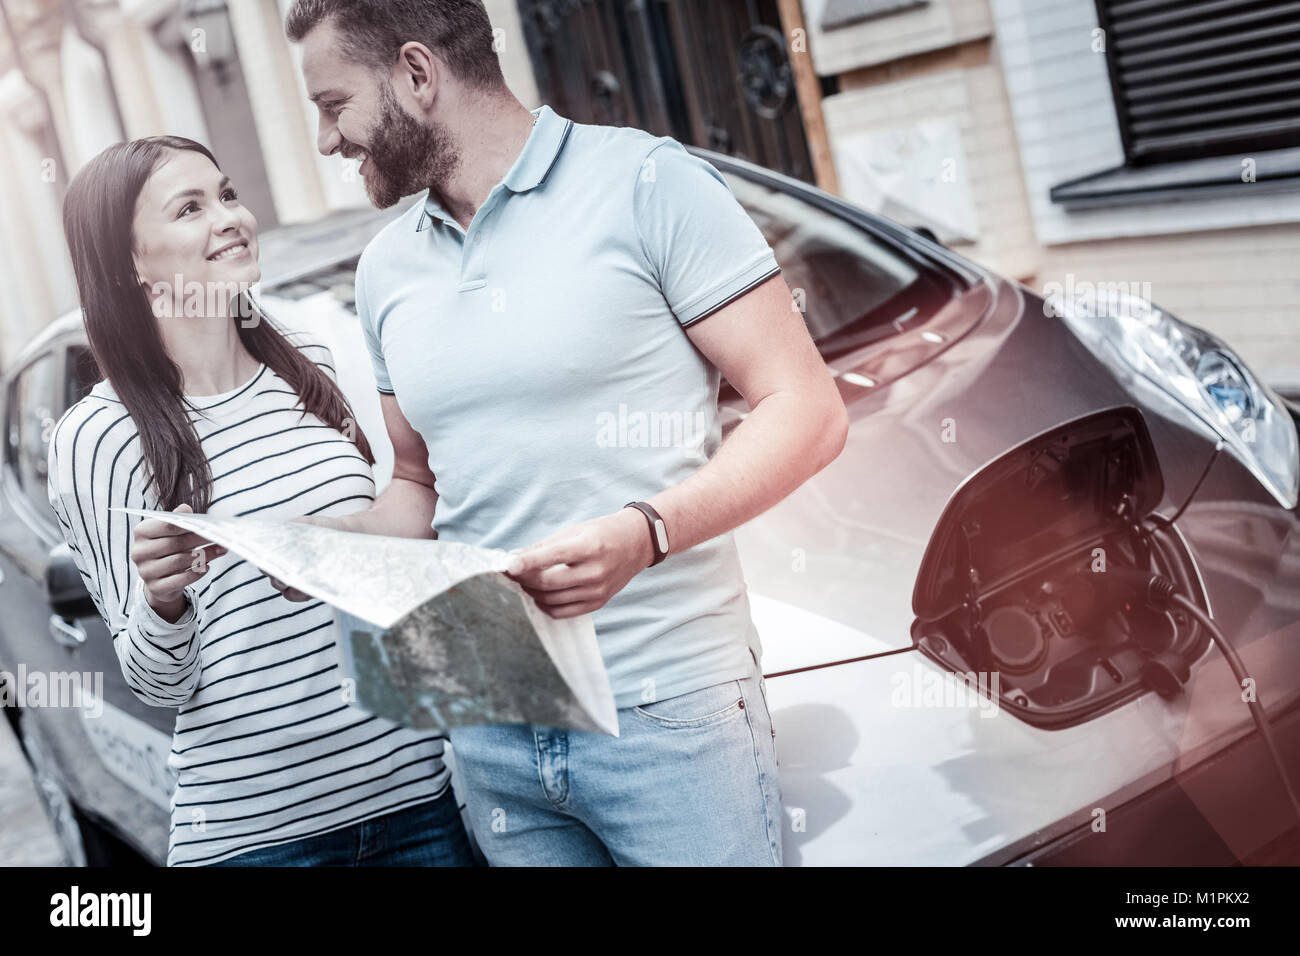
1005	450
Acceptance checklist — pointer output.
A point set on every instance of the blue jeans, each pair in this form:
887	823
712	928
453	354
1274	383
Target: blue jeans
428	834
689	781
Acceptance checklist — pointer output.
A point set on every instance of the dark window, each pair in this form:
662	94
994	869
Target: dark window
712	73
1195	78
1207	95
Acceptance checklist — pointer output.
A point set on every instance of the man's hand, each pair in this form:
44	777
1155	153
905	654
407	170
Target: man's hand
577	570
293	594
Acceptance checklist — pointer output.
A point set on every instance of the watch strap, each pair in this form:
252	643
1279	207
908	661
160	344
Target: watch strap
658	530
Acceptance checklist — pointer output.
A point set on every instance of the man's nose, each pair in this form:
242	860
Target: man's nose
327	137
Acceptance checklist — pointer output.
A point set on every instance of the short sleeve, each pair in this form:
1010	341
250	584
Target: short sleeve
371	334
700	244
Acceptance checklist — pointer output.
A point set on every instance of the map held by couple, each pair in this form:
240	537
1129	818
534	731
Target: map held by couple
431	633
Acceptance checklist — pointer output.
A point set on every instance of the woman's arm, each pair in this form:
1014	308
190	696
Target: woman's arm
94	466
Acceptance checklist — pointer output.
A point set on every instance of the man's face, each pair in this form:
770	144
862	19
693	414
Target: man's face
362	117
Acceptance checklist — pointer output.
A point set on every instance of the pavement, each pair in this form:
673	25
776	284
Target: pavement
26	835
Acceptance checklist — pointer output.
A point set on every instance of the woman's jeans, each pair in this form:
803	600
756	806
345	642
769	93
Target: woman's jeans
428	834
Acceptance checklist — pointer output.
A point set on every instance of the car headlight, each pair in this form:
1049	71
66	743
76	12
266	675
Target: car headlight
1200	372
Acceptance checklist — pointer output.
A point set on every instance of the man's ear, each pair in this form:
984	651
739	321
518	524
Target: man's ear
420	72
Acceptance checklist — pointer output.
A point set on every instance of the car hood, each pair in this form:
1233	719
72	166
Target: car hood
831	569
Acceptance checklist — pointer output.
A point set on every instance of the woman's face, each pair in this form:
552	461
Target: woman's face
189	223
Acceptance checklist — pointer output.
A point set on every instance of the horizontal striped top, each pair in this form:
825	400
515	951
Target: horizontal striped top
266	748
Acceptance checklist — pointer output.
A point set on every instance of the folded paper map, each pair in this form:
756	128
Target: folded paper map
431	633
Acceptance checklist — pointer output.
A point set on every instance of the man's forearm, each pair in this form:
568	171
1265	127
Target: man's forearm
784	441
404	509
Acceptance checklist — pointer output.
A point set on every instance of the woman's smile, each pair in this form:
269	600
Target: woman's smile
234	250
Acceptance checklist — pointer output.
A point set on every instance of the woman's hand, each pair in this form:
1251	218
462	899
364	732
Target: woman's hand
167	560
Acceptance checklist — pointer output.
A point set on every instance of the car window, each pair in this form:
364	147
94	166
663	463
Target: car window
852	287
34	406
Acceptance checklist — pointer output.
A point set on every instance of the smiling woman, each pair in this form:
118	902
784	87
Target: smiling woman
206	410
146	222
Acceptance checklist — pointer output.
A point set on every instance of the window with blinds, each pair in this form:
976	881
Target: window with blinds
1197	78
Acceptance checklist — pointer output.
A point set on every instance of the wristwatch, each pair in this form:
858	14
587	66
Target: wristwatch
658	530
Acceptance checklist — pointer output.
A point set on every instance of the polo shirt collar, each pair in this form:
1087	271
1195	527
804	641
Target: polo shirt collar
540	153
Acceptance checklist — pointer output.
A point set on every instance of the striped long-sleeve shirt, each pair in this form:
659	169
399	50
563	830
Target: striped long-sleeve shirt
266	747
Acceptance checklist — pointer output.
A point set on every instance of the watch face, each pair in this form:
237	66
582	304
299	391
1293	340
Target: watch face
661	535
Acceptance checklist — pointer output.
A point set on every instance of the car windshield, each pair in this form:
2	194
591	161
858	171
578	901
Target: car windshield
852	287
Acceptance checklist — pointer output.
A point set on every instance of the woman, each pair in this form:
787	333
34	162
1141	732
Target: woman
208	407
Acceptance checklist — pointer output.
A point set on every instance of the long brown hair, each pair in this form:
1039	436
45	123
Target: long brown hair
98	214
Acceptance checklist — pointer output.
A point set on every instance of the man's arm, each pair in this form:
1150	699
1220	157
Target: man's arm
404	509
797	426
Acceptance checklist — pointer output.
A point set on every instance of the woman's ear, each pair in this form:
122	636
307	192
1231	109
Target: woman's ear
139	276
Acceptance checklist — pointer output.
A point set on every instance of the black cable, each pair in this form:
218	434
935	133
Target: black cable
1162	593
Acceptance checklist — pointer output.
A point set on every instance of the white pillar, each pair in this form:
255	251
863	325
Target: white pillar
92	116
38	272
154	80
341	184
275	86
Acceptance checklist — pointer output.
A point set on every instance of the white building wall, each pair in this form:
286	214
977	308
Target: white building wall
938	24
988	163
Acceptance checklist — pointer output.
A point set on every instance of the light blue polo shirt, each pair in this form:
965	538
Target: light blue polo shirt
542	356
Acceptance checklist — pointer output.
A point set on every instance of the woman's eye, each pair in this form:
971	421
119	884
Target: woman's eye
230	194
188	208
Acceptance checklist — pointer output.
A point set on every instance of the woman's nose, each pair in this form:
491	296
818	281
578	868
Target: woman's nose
225	220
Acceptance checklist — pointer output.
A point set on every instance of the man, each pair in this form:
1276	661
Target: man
560	278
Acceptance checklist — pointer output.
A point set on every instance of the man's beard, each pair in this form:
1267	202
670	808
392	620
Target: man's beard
406	156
